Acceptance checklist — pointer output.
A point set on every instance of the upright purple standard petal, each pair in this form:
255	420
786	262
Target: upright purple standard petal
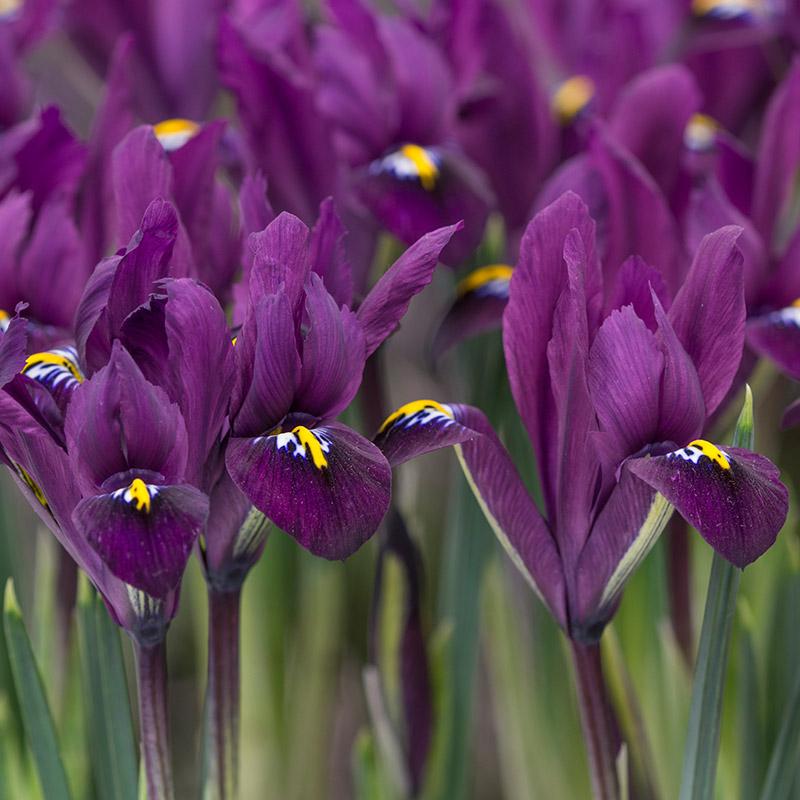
383	307
334	352
326	486
732	497
712	300
118	421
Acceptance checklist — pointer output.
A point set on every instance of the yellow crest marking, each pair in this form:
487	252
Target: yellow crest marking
700	132
311	445
57	359
712	451
572	97
724	8
174	133
426	167
32	485
480	277
409	409
139	493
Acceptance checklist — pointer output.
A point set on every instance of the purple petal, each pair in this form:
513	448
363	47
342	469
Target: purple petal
333	354
191	357
92	333
280	256
117	421
146	260
15	217
52	272
778	155
624	377
235	535
328	487
732	497
12	347
482	299
327	254
511	512
776	336
623	534
416	189
420	427
268	366
682	410
708	313
567	357
634	286
536	286
650	117
59	371
144	532
388	300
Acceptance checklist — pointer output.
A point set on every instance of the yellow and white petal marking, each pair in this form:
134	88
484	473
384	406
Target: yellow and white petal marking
10	8
420	412
55	367
695	450
33	486
5	320
727	9
491	280
572	97
138	493
700	133
411	162
174	133
306	443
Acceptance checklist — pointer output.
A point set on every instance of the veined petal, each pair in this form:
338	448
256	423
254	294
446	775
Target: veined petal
334	352
776	336
732	496
328	487
267	366
144	532
481	300
420	427
511	512
13	337
58	370
709	313
623	534
388	300
624	375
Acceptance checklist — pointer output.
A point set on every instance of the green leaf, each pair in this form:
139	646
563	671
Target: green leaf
36	716
705	711
106	694
783	763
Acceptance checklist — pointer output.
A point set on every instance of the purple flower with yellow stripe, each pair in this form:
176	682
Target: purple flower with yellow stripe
609	398
299	358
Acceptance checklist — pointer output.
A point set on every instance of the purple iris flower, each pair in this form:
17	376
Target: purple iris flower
299	359
106	455
614	398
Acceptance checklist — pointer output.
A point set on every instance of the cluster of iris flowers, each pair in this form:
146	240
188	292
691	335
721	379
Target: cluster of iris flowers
212	216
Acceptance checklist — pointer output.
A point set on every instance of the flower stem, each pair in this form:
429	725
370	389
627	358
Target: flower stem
599	729
151	669
222	696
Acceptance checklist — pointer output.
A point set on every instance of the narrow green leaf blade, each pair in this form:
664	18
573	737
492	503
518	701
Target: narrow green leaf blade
705	711
36	716
783	763
106	693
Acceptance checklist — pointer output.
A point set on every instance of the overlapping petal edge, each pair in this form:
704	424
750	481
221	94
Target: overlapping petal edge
426	425
324	484
731	496
144	532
